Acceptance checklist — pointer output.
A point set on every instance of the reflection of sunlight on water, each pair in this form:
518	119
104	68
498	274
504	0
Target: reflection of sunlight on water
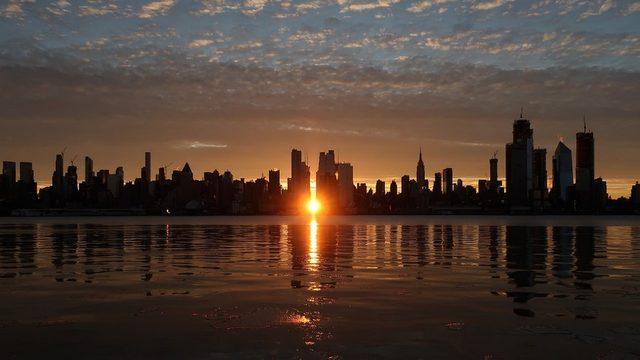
308	322
313	245
296	319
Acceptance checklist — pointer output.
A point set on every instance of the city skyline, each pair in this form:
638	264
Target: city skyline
616	187
527	186
233	83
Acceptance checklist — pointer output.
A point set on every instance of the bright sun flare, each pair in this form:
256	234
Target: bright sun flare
313	206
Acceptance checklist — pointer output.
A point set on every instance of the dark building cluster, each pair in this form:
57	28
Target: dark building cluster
526	187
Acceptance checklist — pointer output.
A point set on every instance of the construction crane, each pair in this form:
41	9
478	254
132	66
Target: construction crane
165	166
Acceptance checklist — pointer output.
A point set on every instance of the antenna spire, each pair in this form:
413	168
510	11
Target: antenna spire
584	121
521	112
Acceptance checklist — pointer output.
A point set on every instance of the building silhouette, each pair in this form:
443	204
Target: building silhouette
88	169
562	173
71	183
57	179
635	196
326	181
345	185
393	188
420	174
447	181
519	163
298	185
585	169
540	187
493	170
405	185
9	173
437	185
274	182
146	170
380	188
26	172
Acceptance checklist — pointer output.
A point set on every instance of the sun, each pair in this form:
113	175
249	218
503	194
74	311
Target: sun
313	206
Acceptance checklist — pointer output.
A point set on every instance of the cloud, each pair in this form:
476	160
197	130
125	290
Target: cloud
200	145
364	5
633	7
156	8
421	6
489	5
246	46
200	43
603	7
252	7
97	9
246	7
59	7
309	37
13	9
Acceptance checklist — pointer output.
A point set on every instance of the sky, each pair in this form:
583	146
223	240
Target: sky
237	84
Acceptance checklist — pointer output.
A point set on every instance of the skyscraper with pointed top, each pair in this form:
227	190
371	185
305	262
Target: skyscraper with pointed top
420	174
585	168
519	163
562	172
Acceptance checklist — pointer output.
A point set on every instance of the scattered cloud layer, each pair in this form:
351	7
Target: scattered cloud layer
156	8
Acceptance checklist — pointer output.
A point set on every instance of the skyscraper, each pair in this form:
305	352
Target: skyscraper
635	196
393	188
405	186
146	171
88	169
26	172
345	185
296	161
299	186
380	188
493	169
420	175
585	169
9	173
71	180
57	180
296	171
274	182
494	184
519	164
447	179
437	184
326	182
540	188
562	172
115	182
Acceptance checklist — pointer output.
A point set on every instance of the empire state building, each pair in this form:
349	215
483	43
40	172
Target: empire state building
420	177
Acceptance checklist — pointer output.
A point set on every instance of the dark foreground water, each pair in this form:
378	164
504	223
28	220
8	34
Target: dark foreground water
360	287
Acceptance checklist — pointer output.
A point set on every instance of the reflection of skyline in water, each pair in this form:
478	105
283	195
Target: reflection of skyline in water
528	255
304	276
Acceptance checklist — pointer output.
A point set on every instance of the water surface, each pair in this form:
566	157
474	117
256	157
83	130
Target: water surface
345	287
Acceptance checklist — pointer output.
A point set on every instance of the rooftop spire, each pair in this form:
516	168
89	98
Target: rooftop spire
420	152
521	112
584	121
